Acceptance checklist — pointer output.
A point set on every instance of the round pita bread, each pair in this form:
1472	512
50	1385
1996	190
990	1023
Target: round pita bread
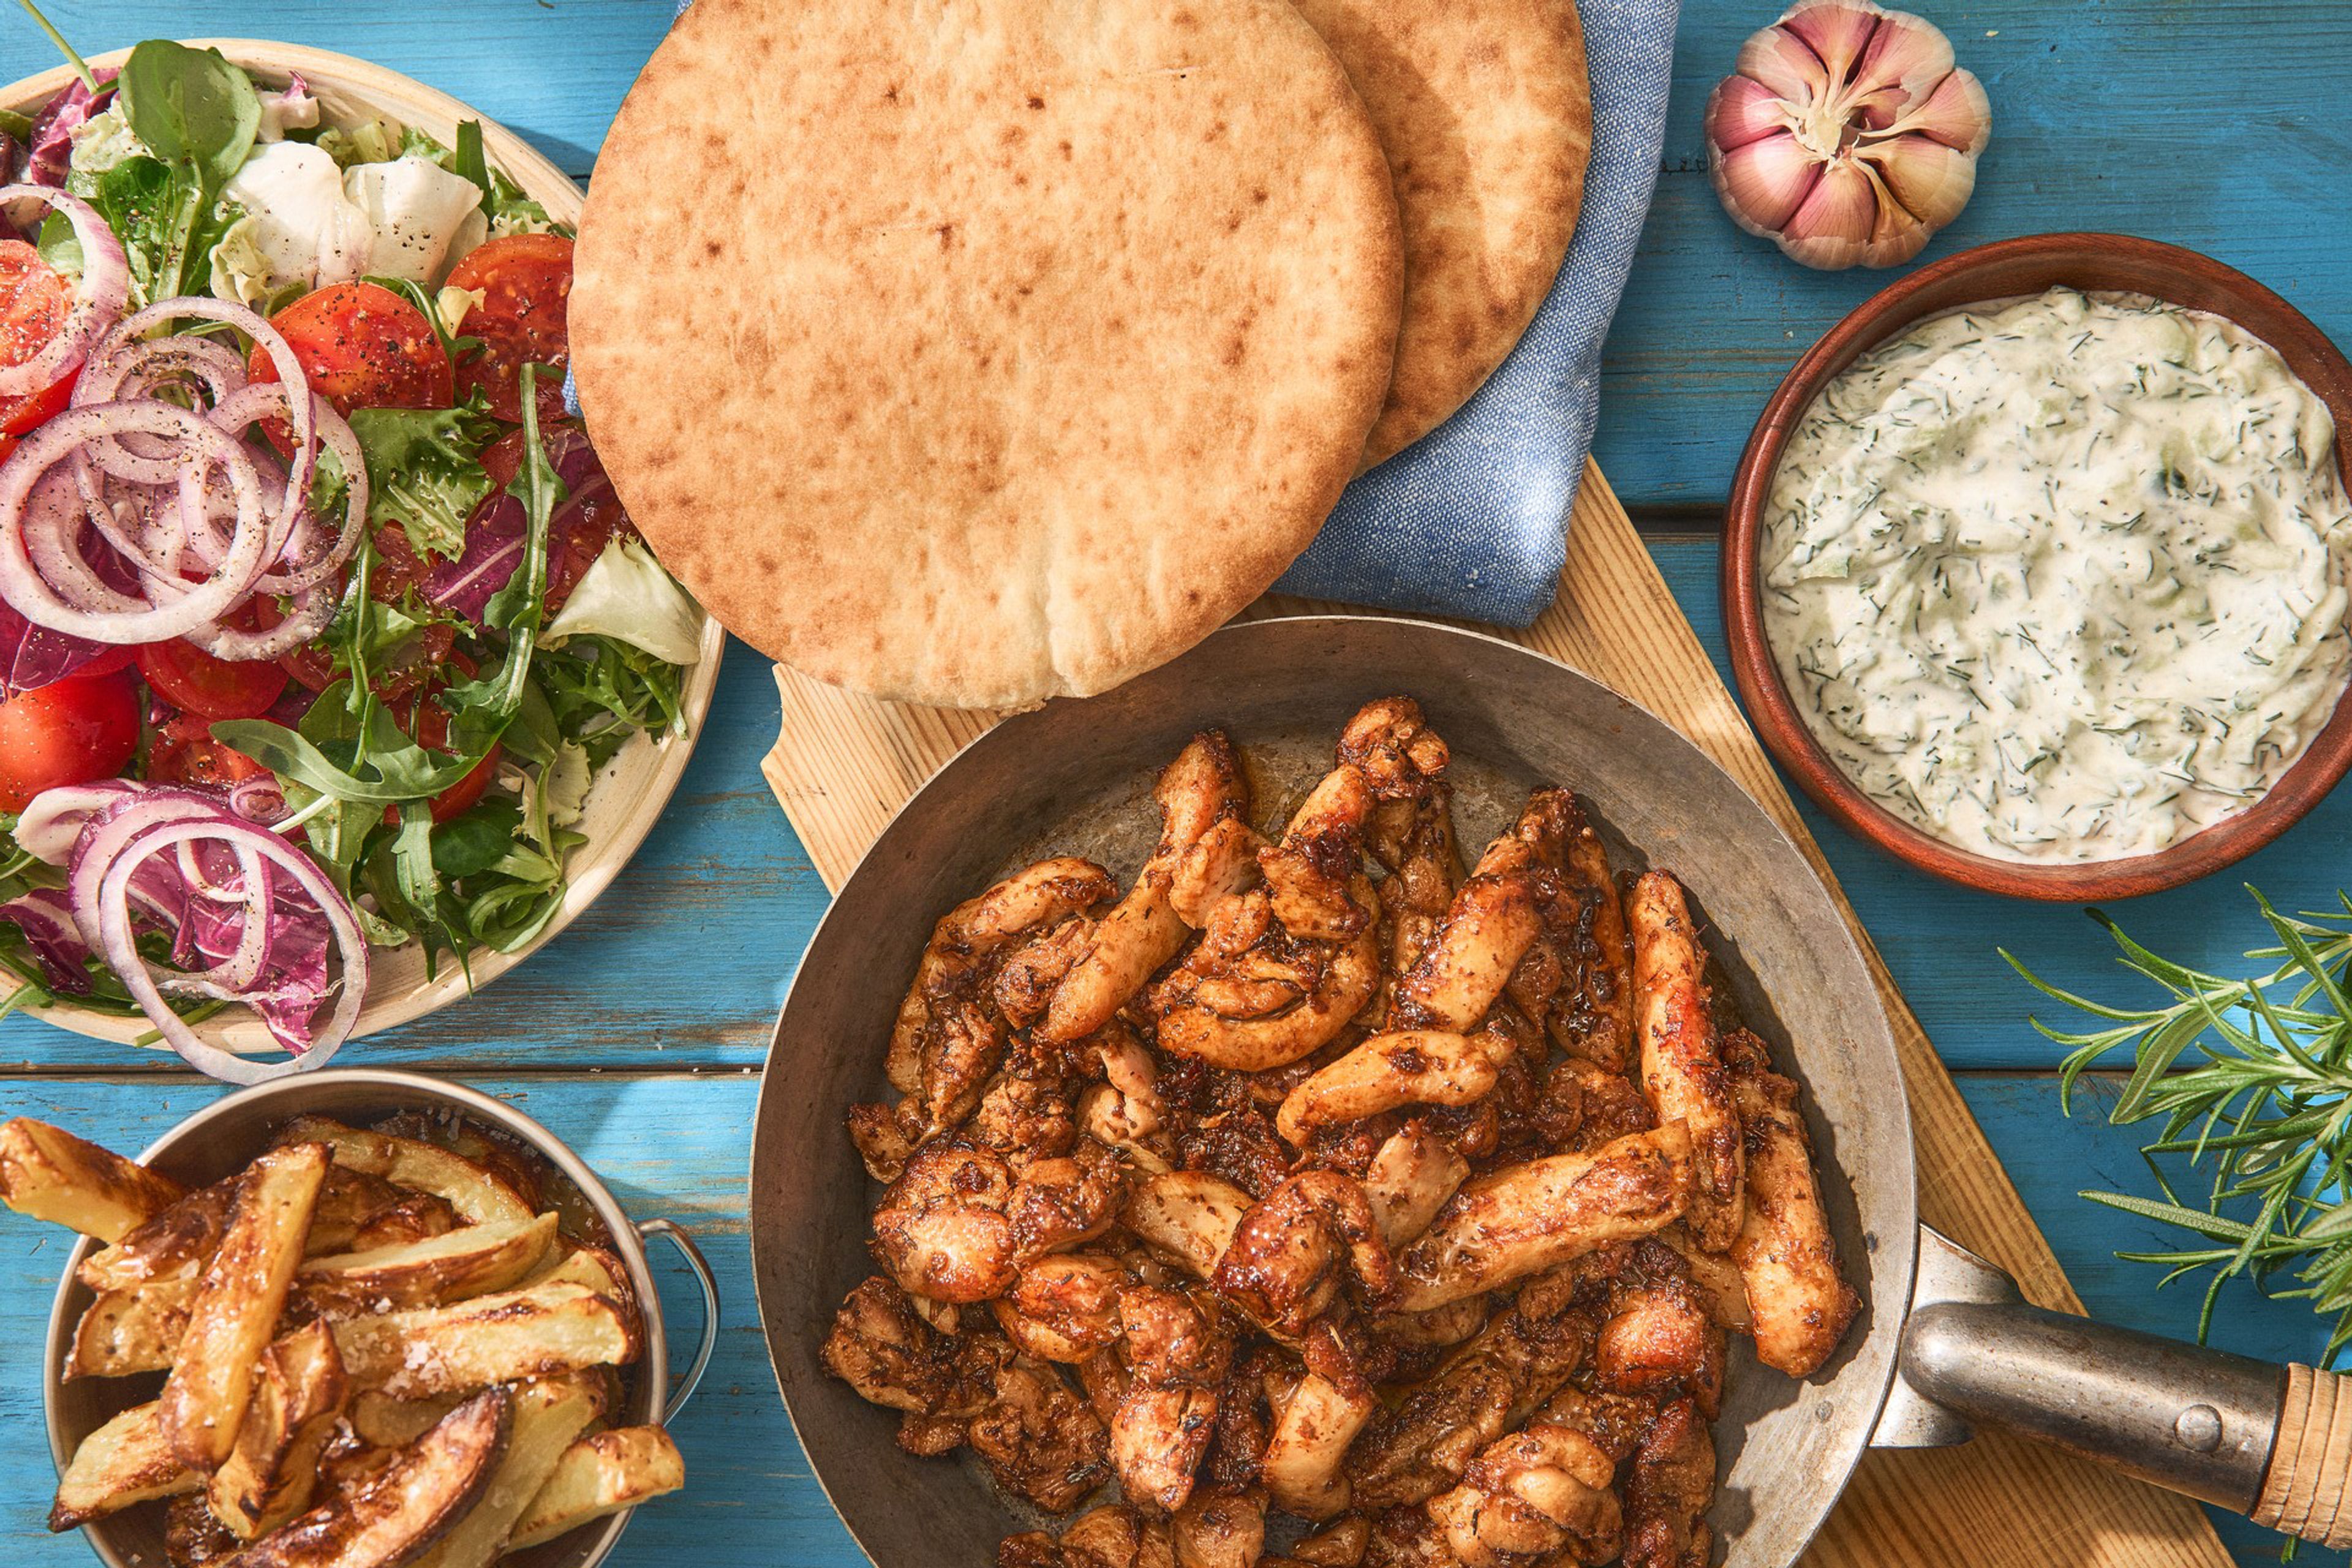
972	352
1487	114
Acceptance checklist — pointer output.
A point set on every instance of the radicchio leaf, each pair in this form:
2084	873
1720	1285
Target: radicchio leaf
51	152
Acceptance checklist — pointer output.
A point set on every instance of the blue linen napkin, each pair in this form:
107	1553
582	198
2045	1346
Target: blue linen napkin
1472	521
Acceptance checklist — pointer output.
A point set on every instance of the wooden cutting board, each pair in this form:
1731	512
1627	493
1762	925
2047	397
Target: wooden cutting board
843	764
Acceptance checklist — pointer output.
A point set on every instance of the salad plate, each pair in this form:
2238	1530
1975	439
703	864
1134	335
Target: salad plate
630	788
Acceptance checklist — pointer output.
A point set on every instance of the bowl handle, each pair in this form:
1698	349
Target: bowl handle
670	1232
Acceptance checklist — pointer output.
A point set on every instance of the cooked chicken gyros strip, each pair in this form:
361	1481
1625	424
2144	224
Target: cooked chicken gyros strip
1314	1424
1541	1493
1189	1214
1798	1304
1682	1063
1202	788
1412	1175
1528	1217
1412	1066
1495	919
1597	1019
968	935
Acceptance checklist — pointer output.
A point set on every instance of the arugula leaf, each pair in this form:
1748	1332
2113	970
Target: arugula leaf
424	470
473	843
480	710
468	163
193	108
80	66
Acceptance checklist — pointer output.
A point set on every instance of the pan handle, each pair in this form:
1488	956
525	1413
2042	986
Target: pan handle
2274	1443
699	1266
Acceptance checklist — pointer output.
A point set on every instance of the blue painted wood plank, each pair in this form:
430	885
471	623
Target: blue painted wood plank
675	1145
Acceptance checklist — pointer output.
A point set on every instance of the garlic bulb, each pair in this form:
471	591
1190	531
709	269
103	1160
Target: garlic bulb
1847	135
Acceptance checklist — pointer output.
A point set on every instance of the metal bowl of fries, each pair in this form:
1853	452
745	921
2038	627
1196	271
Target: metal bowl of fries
470	1360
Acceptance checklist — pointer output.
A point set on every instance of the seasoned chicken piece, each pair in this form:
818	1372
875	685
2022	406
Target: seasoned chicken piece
1039	1439
1027	980
1493	921
1315	1420
1386	1072
1668	1491
1220	1530
961	1048
1716	1273
1177	1359
1540	1495
1064	1308
1614	1423
1439	1327
1798	1303
1609	1105
1661	1340
1526	1219
1682	1064
942	1229
1222	865
1028	1113
1112	1536
1284	1264
1426	870
1412	1175
1189	1214
1063	1203
1390	744
967	936
1593	1016
1279	972
1491	1384
1312	877
1339	1544
880	1144
1202	787
1408	1538
883	1350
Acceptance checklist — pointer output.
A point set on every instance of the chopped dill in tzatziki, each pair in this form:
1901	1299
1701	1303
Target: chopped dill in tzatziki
2062	578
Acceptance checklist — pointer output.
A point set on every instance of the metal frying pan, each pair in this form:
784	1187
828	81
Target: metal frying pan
1937	1322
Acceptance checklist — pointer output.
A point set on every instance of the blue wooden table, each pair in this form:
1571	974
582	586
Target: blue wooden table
638	1035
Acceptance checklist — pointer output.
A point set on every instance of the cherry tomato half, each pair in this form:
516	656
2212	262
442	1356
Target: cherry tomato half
363	346
188	678
70	731
35	300
183	751
526	284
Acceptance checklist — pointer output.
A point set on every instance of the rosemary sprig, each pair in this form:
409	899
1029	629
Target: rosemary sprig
2253	1075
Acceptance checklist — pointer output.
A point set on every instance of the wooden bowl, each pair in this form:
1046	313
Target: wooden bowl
629	795
2006	269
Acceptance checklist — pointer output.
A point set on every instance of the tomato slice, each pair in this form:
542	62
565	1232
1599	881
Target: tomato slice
526	284
183	751
73	730
363	346
188	678
35	299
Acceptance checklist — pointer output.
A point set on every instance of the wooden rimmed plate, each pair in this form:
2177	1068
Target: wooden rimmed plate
2007	269
630	794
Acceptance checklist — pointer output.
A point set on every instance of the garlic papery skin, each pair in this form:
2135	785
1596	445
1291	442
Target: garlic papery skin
1847	134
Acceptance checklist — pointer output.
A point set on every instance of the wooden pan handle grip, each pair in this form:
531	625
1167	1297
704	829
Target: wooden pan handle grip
2307	1490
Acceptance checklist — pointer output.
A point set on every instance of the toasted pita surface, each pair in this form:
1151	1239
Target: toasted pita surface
972	352
1487	114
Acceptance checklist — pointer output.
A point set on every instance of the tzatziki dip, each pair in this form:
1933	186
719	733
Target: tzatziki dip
2061	578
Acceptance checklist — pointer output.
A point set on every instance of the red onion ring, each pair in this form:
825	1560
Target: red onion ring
117	942
25	587
53	819
105	285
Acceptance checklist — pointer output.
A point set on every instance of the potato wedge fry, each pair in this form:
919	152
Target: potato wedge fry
126	1461
601	1474
49	1174
179	1242
479	1197
598	1269
297	1399
549	1414
471	1261
535	1332
130	1330
502	1159
383	1422
236	1308
395	1515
